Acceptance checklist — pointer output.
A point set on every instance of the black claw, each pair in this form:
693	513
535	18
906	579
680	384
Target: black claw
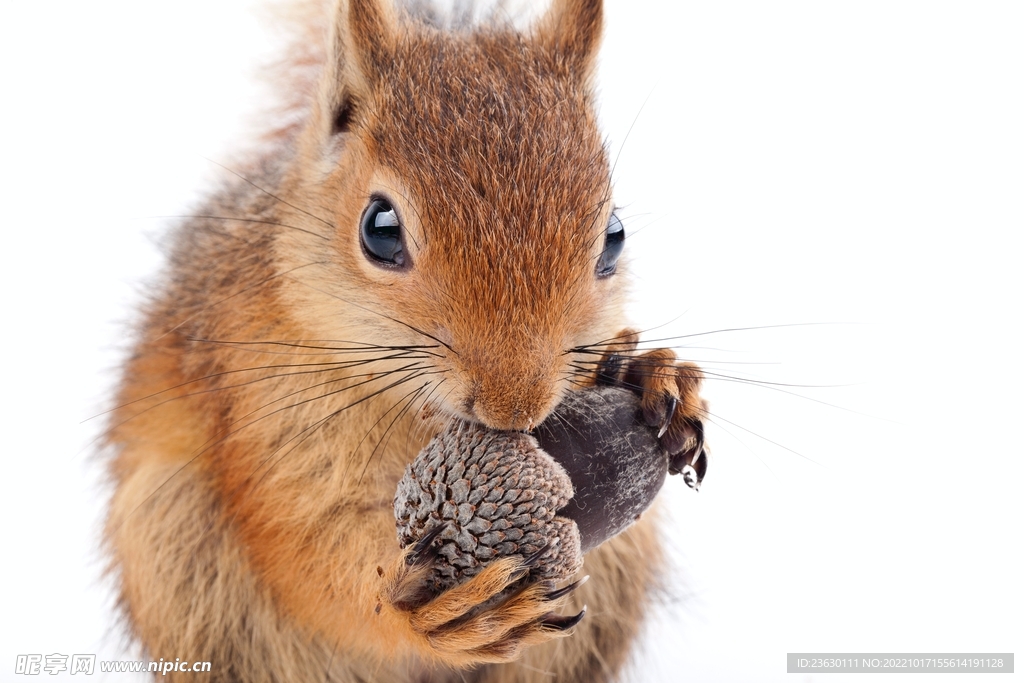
419	554
691	478
693	462
700	464
562	592
559	623
670	411
609	370
532	560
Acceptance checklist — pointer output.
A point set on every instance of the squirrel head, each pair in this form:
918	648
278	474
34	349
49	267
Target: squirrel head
469	194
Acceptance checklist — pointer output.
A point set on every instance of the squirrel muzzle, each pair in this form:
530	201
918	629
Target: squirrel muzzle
510	389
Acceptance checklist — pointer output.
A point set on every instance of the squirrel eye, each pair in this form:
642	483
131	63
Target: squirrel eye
381	234
614	240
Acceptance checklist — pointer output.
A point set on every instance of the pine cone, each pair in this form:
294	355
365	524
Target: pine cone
497	493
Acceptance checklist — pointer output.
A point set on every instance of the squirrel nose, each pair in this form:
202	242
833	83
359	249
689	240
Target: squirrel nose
496	418
509	383
507	411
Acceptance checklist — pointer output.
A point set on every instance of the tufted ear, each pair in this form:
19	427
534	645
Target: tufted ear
360	46
572	31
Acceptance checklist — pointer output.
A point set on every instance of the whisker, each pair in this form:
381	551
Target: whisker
437	386
629	131
586	347
360	347
312	428
767	383
776	443
238	293
714	420
383	315
618	339
246	220
306	433
335	365
773	386
224	434
669	370
208	445
415	425
688	360
381	418
387	432
254	381
272	195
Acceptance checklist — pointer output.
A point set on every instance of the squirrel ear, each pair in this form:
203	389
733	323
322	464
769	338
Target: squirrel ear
361	43
572	30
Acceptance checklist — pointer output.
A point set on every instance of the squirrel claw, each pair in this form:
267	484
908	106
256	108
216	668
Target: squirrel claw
562	592
692	461
533	559
419	555
670	400
670	411
609	369
692	465
555	622
488	618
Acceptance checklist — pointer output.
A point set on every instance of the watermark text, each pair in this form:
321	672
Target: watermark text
35	665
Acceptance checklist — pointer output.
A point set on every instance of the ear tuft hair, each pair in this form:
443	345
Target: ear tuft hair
360	46
371	33
572	31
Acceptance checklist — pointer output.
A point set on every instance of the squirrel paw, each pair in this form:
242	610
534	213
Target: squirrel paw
670	399
488	619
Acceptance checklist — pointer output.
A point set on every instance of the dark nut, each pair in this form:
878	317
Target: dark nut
616	463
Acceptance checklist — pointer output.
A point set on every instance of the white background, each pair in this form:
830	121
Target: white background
855	164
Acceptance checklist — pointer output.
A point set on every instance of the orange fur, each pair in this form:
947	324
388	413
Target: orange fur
260	438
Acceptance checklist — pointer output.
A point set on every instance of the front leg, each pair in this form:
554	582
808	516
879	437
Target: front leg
669	398
490	618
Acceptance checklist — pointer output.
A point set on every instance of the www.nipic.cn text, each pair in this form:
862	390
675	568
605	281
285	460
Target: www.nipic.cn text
33	665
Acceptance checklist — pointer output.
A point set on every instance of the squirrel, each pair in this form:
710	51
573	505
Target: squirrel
431	236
